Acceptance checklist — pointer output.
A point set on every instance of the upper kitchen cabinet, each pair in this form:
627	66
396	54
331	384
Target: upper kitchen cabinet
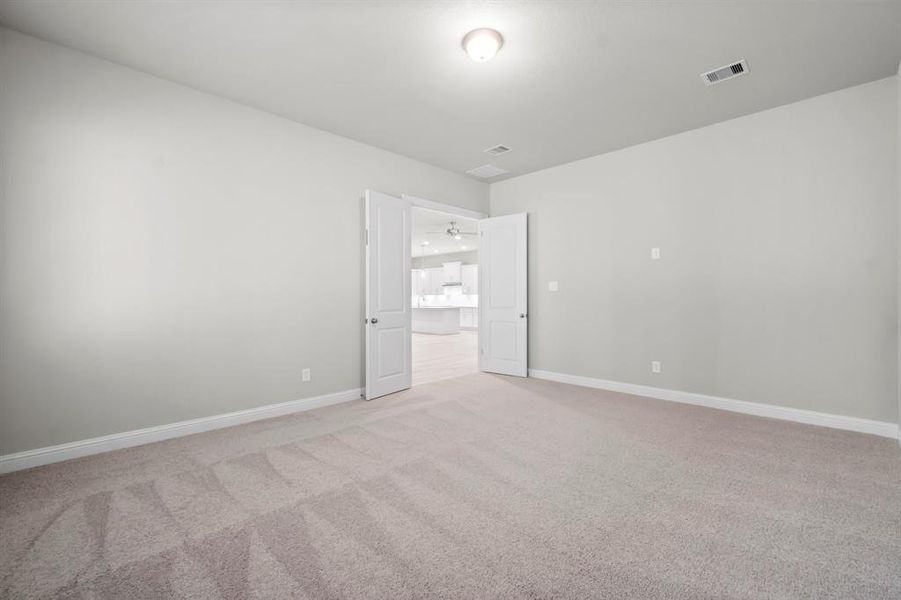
470	279
436	280
452	272
417	281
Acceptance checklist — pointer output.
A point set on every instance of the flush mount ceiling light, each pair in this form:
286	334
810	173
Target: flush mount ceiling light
482	44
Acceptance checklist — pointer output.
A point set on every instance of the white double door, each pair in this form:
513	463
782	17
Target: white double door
503	314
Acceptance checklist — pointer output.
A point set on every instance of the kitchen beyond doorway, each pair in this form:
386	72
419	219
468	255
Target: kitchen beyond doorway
445	295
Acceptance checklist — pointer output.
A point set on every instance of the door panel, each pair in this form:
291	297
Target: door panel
503	306
392	353
389	315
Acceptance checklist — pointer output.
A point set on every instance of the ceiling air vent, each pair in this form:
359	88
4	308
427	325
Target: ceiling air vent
499	149
486	171
724	73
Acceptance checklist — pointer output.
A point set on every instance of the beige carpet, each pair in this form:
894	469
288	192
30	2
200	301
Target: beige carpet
476	487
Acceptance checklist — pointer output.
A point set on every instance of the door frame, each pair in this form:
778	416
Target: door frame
444	208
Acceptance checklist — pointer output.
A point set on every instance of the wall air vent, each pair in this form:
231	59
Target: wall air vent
486	171
499	149
723	73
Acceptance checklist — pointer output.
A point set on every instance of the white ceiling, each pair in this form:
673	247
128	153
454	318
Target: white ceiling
573	79
425	221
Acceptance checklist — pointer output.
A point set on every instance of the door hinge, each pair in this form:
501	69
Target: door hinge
367	237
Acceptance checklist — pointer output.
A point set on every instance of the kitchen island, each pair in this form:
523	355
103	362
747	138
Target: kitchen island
441	320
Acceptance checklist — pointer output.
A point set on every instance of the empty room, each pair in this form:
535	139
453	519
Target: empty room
450	299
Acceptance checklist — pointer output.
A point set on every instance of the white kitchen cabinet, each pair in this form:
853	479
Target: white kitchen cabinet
470	279
418	282
436	281
469	317
428	282
452	272
441	320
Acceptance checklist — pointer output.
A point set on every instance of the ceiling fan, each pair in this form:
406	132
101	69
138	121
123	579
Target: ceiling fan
454	231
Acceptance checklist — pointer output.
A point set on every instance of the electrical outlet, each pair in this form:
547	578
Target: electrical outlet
655	366
305	374
655	253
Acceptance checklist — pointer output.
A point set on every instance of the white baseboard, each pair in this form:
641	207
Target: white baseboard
116	441
798	415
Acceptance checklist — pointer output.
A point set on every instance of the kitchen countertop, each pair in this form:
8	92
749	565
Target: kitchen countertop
441	307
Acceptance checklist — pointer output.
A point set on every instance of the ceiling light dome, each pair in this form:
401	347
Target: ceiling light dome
482	44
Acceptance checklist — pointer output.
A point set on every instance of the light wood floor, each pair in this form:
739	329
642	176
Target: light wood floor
437	357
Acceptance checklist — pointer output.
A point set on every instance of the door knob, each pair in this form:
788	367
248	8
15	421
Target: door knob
373	320
523	315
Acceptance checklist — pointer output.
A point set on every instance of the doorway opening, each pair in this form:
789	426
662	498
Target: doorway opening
444	281
484	301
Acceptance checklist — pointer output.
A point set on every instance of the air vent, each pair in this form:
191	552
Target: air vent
724	73
499	149
486	171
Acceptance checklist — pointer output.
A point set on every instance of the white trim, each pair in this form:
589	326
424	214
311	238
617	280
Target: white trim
138	437
445	208
798	415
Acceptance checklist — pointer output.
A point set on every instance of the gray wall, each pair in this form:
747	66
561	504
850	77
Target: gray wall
161	250
470	257
777	282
